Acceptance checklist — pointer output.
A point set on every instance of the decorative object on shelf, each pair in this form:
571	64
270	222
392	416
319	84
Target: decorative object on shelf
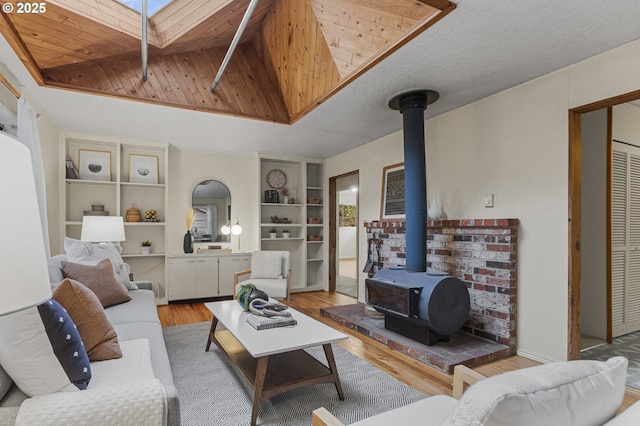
95	165
276	179
150	216
435	211
392	200
313	200
271	196
187	243
143	168
292	200
273	233
72	171
96	210
285	195
285	233
226	228
276	219
145	247
132	214
313	220
312	237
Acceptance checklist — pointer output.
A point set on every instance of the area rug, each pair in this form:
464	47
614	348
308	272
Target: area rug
211	393
462	348
627	346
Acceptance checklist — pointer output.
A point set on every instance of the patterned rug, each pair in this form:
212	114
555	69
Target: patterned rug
211	393
627	346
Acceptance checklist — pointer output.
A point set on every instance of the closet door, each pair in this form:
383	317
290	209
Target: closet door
625	239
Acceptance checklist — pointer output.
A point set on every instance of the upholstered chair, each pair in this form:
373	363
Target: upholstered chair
270	272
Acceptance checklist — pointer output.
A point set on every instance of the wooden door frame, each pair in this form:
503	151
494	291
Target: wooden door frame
333	213
575	219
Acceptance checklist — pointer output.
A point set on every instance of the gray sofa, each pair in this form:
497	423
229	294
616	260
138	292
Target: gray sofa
135	319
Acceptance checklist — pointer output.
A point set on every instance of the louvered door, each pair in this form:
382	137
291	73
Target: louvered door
625	239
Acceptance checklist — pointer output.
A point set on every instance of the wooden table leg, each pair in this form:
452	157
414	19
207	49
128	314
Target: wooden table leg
328	351
261	372
212	330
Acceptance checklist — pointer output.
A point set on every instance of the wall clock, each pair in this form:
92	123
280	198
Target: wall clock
276	179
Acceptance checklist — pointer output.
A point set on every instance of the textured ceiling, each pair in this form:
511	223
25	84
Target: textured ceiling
479	49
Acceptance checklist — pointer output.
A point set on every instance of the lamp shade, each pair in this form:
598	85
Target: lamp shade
102	229
226	229
24	277
236	229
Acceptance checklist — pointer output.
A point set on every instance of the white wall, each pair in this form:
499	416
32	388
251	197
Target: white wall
594	224
347	239
515	145
626	124
187	169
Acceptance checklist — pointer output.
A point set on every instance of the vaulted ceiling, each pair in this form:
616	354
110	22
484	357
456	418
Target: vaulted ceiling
293	55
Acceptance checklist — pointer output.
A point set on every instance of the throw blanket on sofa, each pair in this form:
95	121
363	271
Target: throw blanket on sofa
122	392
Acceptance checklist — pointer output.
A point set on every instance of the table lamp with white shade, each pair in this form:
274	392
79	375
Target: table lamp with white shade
102	229
24	277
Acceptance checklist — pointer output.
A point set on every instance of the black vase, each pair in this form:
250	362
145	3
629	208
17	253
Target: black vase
187	245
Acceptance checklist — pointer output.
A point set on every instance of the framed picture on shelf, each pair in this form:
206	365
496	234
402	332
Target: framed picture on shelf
392	201
94	165
143	168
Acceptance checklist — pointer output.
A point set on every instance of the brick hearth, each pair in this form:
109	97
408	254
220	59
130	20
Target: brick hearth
480	252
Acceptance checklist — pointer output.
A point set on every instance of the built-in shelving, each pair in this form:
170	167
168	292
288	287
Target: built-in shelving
118	194
305	182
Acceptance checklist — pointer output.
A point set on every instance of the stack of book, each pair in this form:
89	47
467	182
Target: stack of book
262	323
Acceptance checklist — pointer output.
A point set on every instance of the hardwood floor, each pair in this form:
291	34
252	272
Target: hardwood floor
404	368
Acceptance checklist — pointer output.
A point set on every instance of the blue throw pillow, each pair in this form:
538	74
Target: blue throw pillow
41	350
66	343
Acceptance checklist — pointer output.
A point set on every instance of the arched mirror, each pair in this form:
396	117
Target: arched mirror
211	203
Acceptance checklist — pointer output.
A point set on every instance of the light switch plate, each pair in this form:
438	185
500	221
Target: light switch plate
488	200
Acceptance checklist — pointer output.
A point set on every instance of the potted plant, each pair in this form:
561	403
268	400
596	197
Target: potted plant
145	247
285	233
273	233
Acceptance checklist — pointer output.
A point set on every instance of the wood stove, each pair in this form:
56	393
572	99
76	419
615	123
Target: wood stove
427	307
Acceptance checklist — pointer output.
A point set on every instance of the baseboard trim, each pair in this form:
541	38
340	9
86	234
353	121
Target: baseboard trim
534	357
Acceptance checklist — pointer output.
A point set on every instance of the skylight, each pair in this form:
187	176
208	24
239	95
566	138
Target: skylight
152	6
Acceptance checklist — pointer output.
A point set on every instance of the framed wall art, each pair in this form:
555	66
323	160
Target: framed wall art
392	204
143	168
94	165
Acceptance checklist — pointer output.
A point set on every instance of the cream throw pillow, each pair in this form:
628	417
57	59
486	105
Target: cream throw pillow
559	393
91	254
266	264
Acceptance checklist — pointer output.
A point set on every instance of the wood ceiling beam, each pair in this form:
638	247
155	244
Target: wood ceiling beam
438	4
15	41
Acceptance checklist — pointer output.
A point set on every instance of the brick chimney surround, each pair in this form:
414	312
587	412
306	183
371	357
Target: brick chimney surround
480	252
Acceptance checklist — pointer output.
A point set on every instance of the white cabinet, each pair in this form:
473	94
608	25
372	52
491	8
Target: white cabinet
114	188
304	218
193	276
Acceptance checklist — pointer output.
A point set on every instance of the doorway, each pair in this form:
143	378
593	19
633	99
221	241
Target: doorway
576	224
343	235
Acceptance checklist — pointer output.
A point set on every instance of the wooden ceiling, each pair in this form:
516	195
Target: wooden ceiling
293	55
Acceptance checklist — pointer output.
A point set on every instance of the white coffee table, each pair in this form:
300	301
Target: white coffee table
273	361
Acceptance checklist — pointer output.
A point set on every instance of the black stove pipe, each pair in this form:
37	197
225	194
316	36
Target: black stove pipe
412	106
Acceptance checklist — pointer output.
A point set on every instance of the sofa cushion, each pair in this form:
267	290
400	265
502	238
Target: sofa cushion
5	382
433	411
574	392
141	308
265	264
100	279
91	254
42	351
98	335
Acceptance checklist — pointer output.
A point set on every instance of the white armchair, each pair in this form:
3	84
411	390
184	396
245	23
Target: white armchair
270	272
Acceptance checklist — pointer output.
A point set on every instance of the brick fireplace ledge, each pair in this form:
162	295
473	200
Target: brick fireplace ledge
480	252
